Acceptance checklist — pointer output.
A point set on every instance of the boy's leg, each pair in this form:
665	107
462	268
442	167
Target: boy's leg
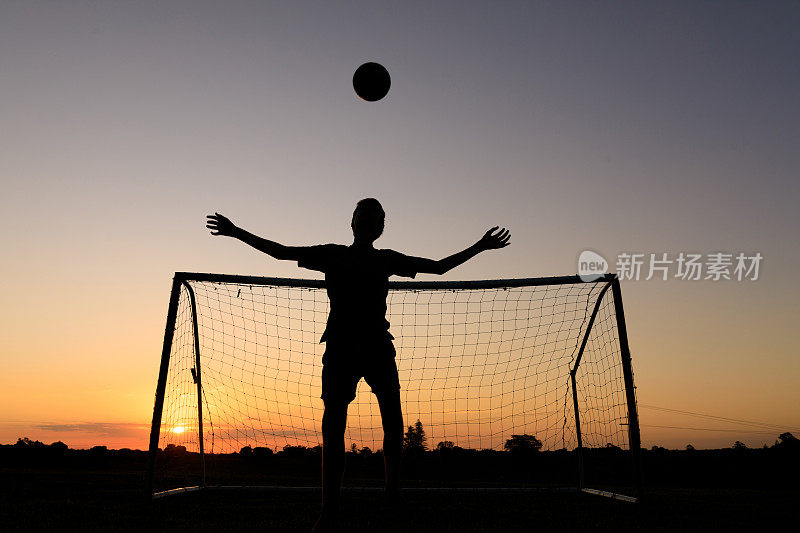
334	421
392	419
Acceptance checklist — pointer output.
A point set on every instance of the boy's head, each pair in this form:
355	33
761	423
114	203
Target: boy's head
368	219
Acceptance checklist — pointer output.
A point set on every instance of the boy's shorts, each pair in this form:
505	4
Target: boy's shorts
344	364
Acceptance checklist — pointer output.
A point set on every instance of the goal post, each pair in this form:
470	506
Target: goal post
528	381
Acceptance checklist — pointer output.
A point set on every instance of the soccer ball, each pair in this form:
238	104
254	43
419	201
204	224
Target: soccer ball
371	81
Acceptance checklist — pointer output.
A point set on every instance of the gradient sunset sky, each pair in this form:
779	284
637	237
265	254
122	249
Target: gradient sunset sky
613	127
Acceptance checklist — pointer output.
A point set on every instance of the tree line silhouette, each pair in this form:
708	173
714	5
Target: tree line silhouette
415	440
522	460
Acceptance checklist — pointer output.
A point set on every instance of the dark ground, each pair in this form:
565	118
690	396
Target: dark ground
715	491
97	500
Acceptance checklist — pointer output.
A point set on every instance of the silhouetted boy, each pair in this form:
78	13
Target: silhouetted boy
358	342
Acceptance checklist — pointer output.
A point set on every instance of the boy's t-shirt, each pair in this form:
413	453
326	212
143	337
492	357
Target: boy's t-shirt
357	281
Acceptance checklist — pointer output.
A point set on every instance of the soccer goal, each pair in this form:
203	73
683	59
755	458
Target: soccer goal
516	384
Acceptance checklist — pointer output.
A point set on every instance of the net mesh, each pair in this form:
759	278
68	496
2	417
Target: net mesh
476	366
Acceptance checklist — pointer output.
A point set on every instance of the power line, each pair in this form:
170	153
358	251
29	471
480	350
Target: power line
764	425
751	431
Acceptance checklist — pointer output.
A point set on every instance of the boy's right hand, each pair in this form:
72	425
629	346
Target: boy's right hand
220	225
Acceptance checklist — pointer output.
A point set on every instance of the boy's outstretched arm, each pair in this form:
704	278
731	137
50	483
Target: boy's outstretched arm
221	225
489	241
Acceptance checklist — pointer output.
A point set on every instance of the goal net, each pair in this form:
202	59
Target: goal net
494	371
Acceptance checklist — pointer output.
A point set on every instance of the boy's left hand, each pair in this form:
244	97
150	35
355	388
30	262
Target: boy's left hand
492	241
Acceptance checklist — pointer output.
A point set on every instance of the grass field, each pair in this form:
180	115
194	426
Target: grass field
100	499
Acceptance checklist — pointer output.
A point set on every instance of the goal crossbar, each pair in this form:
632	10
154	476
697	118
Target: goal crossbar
183	283
398	285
